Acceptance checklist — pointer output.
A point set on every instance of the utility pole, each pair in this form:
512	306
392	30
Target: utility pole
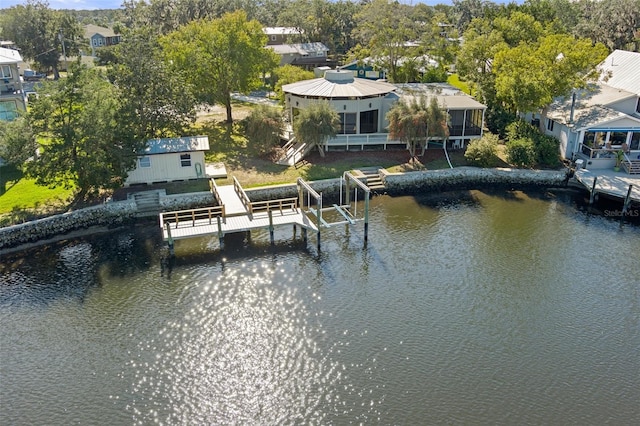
64	51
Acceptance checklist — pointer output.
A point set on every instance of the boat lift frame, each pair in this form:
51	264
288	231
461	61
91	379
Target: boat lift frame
344	208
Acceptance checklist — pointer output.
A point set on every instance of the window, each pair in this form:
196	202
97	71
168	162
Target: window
347	123
185	160
635	141
638	106
369	121
8	110
618	138
5	71
144	162
550	124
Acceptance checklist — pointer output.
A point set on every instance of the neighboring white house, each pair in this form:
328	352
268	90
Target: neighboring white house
12	97
592	123
170	159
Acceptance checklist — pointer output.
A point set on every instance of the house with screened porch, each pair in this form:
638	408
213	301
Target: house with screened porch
599	126
362	105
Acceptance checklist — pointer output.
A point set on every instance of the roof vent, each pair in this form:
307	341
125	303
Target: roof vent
338	76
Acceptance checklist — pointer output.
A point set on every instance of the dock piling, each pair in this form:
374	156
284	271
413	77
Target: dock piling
592	196
271	227
220	234
627	201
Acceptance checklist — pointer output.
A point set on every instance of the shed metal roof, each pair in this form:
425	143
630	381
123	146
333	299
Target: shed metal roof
173	145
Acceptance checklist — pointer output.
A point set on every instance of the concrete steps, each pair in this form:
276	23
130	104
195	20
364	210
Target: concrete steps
372	179
147	203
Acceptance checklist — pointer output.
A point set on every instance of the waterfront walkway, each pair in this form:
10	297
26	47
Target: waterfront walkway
609	182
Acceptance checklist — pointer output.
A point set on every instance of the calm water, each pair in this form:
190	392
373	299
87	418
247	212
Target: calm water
473	308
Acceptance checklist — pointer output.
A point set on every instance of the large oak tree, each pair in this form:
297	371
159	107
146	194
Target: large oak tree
220	56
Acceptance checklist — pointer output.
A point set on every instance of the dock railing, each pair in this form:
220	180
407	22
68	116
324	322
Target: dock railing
280	205
194	216
216	194
243	195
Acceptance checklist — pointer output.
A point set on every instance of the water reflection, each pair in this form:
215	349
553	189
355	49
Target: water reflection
244	352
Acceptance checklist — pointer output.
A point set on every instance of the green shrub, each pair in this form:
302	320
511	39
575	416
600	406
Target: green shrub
263	127
547	150
497	119
483	152
520	129
521	152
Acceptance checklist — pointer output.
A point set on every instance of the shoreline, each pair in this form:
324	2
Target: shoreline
114	215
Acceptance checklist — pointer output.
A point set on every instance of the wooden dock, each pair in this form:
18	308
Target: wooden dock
235	212
610	183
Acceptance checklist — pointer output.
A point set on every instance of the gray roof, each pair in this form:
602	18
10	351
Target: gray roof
621	70
302	49
590	107
281	31
173	145
90	30
338	84
9	56
448	96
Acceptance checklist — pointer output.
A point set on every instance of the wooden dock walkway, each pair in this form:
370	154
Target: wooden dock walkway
611	183
235	212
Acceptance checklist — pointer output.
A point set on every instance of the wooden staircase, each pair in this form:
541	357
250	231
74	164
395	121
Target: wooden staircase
631	166
294	152
372	179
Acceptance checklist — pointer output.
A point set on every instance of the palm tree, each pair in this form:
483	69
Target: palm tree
414	122
315	124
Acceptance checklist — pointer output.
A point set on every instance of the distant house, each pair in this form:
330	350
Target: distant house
12	97
100	36
367	68
594	122
307	55
170	159
281	35
364	69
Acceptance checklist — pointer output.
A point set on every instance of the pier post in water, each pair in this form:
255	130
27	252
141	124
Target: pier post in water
627	201
169	238
271	227
592	197
220	234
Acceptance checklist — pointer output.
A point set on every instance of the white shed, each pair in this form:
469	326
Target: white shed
170	159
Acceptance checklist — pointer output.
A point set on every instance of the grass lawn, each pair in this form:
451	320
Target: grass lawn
21	197
454	80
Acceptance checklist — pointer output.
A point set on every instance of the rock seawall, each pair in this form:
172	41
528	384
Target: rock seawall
117	213
471	177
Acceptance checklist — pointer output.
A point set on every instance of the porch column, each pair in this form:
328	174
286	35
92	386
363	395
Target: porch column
482	124
464	123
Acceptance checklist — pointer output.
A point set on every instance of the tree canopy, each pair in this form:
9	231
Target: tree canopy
530	75
83	145
220	56
40	33
414	121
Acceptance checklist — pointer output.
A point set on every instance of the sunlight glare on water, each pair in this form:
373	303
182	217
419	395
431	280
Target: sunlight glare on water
244	352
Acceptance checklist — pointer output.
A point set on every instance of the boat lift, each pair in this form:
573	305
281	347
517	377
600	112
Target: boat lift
347	207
